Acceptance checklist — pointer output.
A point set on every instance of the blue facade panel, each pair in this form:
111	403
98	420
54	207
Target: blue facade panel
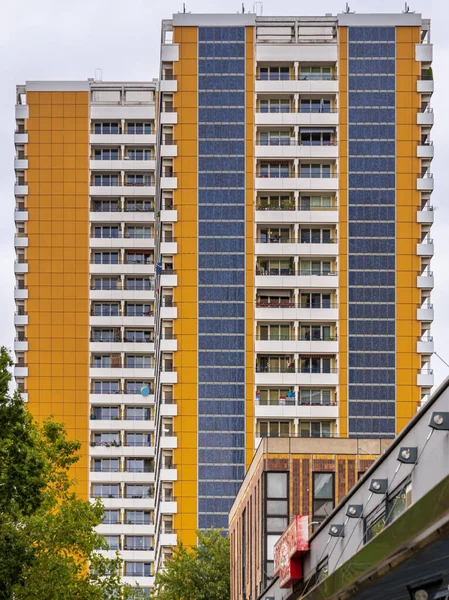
221	271
371	231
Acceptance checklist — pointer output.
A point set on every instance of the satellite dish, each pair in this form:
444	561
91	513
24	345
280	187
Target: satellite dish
145	390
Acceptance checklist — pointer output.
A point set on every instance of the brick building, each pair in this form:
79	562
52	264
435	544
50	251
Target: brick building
289	476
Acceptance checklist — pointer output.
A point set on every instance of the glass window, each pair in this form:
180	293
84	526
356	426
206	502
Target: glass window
113	542
277	485
323	495
111	517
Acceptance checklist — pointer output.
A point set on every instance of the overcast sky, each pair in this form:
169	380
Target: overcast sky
69	39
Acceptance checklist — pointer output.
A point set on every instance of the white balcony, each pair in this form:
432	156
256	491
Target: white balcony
169	280
122	165
301	412
125	529
168	118
324	184
137	503
425	282
120	424
20	371
127	217
22	111
303	86
168	475
169	248
169	345
121	295
168	442
107	139
20	267
168	539
425	151
425	249
106	347
169	150
296	151
21	138
122	242
20	215
20	346
142	582
168	508
288	379
424	184
286	249
169	183
424	52
117	112
425	346
168	410
301	281
169	312
21	241
20	319
21	163
20	294
168	85
114	373
100	477
425	314
297	118
120	398
122	269
131	451
425	216
303	346
425	119
108	321
122	190
297	216
169	216
296	314
425	86
425	380
169	377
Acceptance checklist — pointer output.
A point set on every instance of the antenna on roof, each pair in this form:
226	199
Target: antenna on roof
243	9
406	8
184	7
98	74
258	8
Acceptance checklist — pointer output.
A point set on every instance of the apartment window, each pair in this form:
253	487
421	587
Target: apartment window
137	413
111	517
105	206
138	283
275	397
277	512
106	154
274	428
105	283
138	542
113	542
315	170
314	105
274	73
315	73
107	127
274	138
138	258
106	465
107	413
315	429
139	310
106	231
315	332
138	439
315	300
132	205
139	231
275	300
315	397
277	105
137	517
106	387
106	438
106	180
275	267
106	258
315	364
138	335
139	154
315	202
275	170
138	362
138	179
137	569
276	203
100	362
323	496
106	309
375	522
275	235
315	236
139	128
134	387
315	267
388	510
138	491
139	465
315	137
103	490
275	332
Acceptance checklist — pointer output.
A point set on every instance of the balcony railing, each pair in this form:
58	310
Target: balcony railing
291	110
276	239
295	142
292	369
292	402
300	272
295	338
292	304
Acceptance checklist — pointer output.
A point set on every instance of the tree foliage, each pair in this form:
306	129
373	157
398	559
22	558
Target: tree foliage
201	572
48	542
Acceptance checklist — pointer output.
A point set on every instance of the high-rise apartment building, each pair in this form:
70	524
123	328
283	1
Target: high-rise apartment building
238	250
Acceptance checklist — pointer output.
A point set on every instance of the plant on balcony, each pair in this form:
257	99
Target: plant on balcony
47	533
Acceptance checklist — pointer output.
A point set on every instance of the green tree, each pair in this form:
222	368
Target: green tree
48	542
201	572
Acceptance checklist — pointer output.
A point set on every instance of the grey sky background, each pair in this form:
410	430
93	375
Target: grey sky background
69	39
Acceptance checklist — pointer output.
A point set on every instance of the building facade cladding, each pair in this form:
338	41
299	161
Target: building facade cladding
288	477
371	231
221	271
